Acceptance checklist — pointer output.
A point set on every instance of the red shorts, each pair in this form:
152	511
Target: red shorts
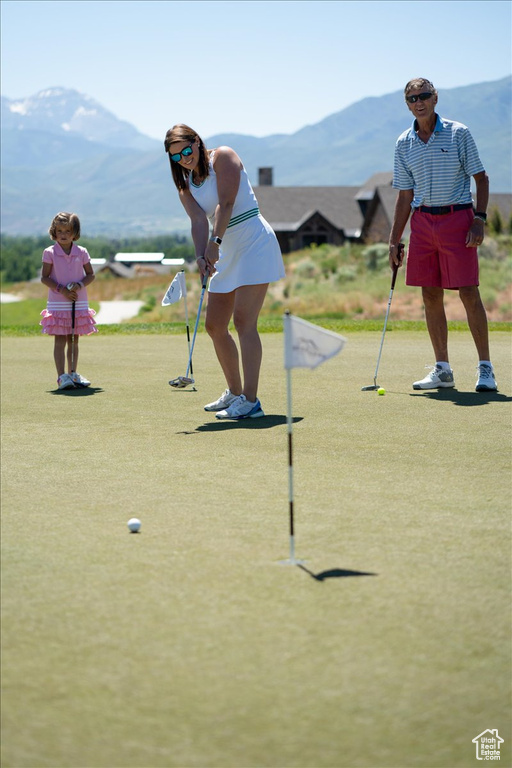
437	255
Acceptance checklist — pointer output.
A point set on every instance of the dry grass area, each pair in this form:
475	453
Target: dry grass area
319	281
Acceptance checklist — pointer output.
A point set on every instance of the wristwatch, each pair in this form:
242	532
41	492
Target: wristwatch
481	215
215	240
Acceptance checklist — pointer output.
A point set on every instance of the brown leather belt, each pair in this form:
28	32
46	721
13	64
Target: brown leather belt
442	210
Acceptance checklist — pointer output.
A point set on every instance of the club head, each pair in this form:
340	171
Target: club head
181	382
370	388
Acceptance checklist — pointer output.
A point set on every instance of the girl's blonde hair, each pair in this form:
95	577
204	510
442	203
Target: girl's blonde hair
182	132
65	218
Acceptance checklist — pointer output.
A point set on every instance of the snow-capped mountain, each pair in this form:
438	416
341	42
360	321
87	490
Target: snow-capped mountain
62	111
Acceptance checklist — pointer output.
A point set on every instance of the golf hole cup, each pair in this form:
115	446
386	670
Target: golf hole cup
134	525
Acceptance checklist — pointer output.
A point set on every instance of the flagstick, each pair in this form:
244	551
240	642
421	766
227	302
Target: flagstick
289	420
290	465
305	346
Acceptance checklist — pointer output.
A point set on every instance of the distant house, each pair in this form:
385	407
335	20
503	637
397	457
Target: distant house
136	264
301	216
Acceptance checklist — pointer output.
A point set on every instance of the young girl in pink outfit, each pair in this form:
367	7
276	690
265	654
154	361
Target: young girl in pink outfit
66	272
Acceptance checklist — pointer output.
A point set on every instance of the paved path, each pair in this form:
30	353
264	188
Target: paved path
109	311
7	298
116	311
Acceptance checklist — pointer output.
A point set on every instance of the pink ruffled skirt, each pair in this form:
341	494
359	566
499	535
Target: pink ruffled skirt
58	323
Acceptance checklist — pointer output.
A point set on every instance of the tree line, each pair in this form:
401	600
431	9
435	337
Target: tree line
22	256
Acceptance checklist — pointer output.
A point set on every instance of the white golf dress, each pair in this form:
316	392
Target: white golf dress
250	253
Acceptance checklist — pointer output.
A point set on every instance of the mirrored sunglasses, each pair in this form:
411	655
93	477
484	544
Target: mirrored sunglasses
184	153
421	96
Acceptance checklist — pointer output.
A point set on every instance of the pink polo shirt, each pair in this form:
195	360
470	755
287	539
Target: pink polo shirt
66	268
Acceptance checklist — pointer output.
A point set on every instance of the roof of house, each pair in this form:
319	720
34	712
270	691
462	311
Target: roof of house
138	258
383	179
286	208
120	270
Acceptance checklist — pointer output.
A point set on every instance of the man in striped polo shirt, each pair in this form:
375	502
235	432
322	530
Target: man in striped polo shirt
434	162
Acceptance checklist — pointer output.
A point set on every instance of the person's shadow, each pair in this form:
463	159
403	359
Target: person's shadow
467	399
221	425
77	392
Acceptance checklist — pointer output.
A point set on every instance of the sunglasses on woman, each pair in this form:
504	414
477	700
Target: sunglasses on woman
420	96
184	153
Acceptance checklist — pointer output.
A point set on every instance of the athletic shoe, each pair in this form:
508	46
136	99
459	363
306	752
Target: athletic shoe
80	381
65	381
241	408
436	379
486	381
225	400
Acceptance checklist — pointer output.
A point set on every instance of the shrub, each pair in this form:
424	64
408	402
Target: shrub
376	255
306	269
495	222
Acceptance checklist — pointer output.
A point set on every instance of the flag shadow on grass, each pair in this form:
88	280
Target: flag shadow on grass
77	392
267	422
464	398
333	573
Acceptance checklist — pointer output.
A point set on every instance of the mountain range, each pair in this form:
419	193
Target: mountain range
62	150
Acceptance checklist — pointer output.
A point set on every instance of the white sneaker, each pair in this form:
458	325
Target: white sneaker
242	408
79	381
223	402
436	379
65	381
486	381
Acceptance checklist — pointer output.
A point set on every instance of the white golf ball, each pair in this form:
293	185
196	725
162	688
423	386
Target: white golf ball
134	525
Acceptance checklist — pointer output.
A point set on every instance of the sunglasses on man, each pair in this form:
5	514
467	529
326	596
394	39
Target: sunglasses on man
421	96
184	153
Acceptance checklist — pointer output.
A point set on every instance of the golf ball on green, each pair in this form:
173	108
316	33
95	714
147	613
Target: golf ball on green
381	391
134	525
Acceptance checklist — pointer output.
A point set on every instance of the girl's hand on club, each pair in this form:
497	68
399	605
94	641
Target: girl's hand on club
71	293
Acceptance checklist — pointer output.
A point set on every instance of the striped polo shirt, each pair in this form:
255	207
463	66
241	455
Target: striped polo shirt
439	171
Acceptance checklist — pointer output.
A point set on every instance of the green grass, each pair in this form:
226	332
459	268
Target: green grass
189	644
266	324
25	315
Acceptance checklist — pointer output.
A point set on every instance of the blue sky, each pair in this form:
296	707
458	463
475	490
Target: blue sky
243	66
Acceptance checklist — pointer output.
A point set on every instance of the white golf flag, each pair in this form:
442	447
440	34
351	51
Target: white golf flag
307	345
176	291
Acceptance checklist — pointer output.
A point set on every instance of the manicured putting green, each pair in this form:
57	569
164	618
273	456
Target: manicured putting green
188	644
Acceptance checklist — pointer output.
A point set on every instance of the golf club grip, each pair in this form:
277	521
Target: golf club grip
396	267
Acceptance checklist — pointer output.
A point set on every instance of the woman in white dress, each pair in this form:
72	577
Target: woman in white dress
241	255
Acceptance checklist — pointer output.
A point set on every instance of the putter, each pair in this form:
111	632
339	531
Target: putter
73	310
375	386
188	334
73	361
184	381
